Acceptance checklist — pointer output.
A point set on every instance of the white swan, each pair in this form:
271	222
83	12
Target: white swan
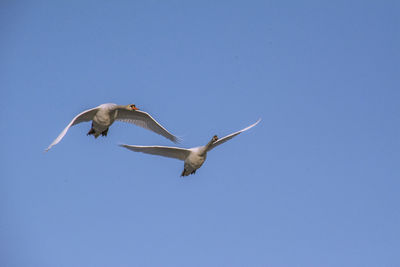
193	157
104	115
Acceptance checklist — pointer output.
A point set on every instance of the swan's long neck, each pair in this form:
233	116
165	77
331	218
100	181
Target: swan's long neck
209	144
114	110
119	106
205	148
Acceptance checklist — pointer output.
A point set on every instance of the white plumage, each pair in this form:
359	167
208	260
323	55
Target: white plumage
193	157
103	117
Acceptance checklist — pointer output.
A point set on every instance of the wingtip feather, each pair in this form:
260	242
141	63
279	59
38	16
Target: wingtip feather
177	140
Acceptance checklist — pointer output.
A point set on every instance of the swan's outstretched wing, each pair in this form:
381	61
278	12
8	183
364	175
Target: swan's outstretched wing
228	137
87	115
143	119
165	151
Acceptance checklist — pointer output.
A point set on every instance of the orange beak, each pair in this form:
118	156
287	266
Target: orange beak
134	108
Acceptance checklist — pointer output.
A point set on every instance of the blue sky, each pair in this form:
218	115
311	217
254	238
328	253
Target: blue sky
316	183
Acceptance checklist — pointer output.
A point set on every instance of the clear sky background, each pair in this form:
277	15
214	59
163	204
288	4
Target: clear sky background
316	183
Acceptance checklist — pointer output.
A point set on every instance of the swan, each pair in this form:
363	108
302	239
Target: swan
104	115
193	157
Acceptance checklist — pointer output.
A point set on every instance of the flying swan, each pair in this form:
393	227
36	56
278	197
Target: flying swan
193	157
104	115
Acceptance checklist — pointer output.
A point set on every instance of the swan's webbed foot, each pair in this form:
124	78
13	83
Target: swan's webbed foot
91	132
104	133
186	173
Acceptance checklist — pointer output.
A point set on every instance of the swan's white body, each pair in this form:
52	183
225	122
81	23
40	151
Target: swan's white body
193	157
103	117
196	158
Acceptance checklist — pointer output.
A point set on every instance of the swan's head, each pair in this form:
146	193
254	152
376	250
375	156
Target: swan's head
132	107
215	138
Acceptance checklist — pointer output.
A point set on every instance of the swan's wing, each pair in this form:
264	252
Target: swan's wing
228	137
87	115
143	119
165	151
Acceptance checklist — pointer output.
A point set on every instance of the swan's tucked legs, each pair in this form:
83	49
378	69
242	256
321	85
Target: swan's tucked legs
104	133
183	173
91	131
